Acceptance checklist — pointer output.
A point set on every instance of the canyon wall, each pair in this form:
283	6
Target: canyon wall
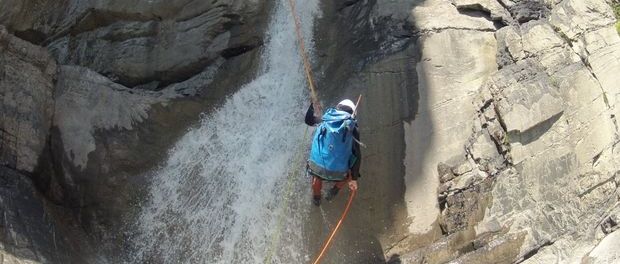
490	126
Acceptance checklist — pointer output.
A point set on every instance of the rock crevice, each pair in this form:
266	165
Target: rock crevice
543	135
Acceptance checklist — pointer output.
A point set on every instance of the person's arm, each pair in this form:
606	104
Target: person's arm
355	169
311	119
357	151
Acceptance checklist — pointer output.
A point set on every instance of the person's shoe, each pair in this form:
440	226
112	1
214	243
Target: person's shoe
331	194
316	200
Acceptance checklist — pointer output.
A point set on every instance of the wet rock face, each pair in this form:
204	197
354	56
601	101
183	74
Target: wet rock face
87	103
34	20
159	49
26	85
104	105
133	76
30	229
536	176
34	231
368	48
139	42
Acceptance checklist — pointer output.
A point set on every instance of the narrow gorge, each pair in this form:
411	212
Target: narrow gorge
151	131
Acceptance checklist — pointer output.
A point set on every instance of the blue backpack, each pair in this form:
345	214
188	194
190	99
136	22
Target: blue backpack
331	152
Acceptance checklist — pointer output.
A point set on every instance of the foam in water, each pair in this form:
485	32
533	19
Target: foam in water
217	197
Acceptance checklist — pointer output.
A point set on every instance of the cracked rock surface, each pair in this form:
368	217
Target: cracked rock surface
139	50
26	86
526	169
139	42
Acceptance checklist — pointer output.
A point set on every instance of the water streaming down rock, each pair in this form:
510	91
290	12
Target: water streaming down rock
218	197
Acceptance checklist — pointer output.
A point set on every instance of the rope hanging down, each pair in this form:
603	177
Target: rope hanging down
304	56
328	241
331	236
275	237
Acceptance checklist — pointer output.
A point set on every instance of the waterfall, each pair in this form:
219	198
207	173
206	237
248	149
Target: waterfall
218	196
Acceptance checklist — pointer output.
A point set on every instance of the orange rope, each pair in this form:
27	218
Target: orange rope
356	105
302	51
331	236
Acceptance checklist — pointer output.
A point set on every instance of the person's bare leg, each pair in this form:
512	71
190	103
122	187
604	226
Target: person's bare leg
336	188
317	184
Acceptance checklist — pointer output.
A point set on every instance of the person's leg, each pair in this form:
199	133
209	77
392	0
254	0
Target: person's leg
317	184
336	188
342	183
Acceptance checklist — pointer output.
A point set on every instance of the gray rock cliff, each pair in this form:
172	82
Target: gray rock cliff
132	77
528	173
32	229
490	126
27	105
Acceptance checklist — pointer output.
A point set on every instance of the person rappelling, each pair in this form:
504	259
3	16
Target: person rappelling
335	154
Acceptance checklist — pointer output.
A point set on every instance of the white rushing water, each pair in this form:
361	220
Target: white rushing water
218	197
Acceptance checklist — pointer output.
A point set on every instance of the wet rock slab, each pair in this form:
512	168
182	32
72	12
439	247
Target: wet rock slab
33	231
26	86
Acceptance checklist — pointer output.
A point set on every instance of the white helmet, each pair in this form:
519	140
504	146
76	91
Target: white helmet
348	103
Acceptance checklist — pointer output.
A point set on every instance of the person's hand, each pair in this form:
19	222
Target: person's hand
317	109
353	185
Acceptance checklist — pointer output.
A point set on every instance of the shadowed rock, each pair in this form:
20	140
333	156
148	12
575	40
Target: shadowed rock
27	73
